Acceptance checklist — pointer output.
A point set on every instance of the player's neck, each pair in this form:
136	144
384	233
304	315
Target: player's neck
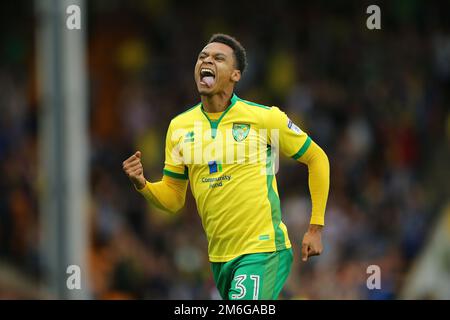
216	103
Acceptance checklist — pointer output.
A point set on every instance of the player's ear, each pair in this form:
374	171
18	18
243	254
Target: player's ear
236	75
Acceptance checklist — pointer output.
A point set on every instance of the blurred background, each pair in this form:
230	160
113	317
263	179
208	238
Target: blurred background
377	101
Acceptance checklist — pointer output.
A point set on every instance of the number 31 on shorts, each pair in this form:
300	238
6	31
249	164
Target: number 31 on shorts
240	288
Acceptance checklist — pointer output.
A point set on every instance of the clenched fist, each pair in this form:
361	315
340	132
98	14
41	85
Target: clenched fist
312	242
133	169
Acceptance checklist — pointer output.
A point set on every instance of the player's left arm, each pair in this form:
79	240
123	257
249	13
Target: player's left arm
295	143
319	182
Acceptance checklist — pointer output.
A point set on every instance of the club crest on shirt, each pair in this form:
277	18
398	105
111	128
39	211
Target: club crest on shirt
293	127
240	131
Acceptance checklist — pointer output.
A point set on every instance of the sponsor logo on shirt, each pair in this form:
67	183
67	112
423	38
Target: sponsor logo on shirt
214	167
189	137
215	182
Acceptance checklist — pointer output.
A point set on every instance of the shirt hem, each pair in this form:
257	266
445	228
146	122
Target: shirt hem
258	250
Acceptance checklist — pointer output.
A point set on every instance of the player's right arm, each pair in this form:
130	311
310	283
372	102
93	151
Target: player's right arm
169	194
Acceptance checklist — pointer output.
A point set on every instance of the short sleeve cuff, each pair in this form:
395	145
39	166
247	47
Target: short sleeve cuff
181	176
303	149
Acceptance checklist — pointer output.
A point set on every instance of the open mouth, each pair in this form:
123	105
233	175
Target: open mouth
207	77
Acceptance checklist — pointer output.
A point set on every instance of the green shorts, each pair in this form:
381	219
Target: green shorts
255	276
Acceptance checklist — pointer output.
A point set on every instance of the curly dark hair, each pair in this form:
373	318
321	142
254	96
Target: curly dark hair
240	56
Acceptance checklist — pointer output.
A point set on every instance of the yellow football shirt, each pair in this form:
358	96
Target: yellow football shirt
231	165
